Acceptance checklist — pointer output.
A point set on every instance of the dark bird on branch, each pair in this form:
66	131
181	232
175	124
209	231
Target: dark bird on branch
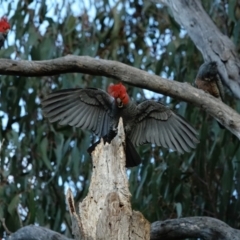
208	80
99	112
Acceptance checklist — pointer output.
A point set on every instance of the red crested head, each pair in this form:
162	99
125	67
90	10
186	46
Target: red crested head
119	92
4	25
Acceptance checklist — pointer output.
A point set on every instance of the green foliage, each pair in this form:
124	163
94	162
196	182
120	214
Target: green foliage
39	161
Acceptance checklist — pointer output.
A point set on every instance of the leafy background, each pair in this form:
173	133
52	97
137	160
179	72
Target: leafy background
39	161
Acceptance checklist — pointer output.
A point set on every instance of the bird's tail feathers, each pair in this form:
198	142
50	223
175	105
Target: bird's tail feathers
133	159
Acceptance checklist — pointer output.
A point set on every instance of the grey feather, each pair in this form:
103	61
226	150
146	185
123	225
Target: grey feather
87	121
166	137
75	120
68	116
80	108
184	140
175	139
163	128
138	135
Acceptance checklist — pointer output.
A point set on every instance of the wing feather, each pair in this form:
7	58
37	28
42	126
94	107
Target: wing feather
167	136
54	105
88	108
153	131
82	115
188	132
157	139
76	117
69	115
101	126
87	120
157	124
105	125
161	136
138	135
57	112
92	122
149	132
175	139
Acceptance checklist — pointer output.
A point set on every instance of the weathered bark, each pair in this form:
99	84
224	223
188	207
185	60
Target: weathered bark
213	45
106	212
193	227
83	64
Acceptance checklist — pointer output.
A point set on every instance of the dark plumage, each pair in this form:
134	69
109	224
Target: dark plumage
208	79
99	112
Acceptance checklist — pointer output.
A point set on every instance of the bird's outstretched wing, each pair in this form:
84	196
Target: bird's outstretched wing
159	125
85	108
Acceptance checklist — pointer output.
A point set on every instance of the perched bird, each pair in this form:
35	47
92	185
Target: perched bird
4	28
99	112
208	80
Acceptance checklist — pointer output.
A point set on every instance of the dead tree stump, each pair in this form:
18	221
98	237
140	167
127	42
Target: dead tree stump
106	212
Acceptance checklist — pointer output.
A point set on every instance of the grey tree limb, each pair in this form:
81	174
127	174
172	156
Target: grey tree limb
33	232
130	75
193	227
214	45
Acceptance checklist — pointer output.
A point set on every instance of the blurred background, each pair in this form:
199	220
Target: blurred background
39	161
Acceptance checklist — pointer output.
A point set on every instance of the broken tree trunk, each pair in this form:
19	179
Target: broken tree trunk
106	211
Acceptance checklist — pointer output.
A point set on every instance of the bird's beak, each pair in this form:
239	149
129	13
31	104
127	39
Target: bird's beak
119	102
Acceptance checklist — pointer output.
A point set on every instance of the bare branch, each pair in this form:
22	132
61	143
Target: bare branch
36	233
84	64
193	227
213	45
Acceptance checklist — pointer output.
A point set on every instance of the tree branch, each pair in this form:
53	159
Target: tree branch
133	76
36	233
213	45
193	227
